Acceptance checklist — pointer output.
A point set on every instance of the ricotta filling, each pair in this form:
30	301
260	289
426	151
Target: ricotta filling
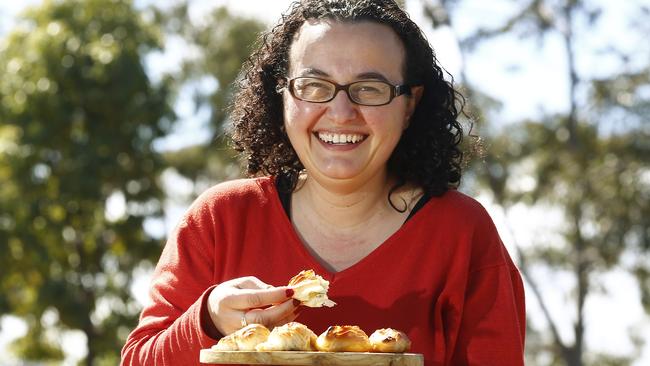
313	293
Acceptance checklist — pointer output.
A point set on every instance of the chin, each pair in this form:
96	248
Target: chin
339	169
340	174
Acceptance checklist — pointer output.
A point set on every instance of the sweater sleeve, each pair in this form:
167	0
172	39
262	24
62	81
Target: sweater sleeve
174	327
493	324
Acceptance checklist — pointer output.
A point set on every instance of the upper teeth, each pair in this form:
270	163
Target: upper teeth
336	138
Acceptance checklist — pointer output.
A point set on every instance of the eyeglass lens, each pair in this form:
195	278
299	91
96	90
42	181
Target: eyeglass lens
368	92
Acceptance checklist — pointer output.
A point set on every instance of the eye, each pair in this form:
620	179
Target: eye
370	88
310	85
313	89
315	84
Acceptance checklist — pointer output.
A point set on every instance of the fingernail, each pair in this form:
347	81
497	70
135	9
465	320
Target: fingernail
289	292
296	302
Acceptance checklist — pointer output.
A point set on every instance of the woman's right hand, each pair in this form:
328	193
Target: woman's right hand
248	300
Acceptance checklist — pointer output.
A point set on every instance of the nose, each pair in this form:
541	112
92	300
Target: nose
341	108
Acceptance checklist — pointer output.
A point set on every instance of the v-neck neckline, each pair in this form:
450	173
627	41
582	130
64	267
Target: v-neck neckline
301	248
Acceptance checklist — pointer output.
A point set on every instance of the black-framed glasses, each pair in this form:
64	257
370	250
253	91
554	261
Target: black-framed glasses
364	92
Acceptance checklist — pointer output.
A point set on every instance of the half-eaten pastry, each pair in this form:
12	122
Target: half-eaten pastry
311	289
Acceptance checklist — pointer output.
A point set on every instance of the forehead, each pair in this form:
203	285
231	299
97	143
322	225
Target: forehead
345	49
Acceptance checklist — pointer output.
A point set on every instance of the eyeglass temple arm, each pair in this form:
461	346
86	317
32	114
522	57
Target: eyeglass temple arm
402	89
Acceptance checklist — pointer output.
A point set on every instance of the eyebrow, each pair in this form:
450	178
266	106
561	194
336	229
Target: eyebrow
363	76
313	72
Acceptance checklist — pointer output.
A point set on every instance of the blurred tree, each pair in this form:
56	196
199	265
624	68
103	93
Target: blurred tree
78	115
590	165
222	42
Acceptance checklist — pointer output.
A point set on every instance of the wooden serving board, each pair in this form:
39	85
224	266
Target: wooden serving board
209	356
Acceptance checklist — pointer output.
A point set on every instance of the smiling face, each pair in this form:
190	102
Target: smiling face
340	140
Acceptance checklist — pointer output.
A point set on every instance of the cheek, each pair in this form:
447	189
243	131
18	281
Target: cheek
300	115
388	120
297	124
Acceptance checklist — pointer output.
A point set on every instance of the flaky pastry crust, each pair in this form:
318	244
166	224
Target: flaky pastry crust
346	338
310	289
389	340
292	336
245	339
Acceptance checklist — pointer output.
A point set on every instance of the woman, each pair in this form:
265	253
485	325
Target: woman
347	122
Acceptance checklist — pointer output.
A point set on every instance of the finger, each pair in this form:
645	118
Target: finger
257	298
239	320
251	282
272	315
291	317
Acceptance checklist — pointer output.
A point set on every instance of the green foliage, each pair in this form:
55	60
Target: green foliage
589	164
36	345
78	116
224	42
601	184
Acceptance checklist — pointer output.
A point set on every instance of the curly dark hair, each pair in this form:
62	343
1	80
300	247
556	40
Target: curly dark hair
428	153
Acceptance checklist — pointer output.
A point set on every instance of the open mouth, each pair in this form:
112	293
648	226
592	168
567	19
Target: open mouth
340	138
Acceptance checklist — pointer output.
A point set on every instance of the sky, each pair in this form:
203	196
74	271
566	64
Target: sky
538	88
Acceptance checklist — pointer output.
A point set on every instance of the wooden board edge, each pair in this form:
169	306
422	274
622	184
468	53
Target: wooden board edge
208	356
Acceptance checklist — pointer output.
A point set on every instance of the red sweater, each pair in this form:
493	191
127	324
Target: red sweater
444	278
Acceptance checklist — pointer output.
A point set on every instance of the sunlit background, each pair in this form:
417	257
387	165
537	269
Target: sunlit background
112	118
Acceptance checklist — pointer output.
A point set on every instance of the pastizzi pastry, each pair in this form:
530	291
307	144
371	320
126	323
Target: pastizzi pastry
389	340
311	289
245	339
346	338
292	336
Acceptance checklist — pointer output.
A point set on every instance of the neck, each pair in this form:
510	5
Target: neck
342	225
342	205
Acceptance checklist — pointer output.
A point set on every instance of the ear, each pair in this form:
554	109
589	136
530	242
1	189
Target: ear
412	103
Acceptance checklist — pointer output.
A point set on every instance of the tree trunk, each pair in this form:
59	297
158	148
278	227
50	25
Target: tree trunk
89	330
581	261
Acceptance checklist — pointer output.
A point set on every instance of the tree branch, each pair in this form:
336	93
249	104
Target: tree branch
482	34
528	277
